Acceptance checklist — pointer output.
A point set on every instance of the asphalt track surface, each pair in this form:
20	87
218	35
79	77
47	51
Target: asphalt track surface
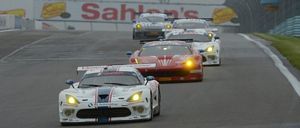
247	91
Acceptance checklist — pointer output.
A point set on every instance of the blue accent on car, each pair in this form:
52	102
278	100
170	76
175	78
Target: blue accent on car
103	97
201	51
103	119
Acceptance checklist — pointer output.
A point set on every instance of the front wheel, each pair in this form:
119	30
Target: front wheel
65	124
133	34
151	107
220	62
158	106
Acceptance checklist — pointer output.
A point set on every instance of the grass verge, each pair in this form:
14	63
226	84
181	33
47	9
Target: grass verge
288	46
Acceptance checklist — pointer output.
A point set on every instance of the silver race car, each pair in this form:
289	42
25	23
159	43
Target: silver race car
149	26
207	43
110	93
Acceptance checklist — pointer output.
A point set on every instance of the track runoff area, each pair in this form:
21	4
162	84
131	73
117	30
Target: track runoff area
251	89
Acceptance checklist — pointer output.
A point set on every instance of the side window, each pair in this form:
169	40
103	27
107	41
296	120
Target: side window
140	76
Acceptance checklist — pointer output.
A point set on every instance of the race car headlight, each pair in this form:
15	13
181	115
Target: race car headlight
138	26
209	49
189	63
168	26
210	35
136	97
71	100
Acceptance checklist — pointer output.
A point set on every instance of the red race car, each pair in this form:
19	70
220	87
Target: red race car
174	60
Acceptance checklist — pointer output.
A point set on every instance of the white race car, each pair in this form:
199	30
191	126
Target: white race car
207	43
149	26
194	24
110	93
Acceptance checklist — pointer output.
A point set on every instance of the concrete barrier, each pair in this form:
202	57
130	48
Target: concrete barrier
8	22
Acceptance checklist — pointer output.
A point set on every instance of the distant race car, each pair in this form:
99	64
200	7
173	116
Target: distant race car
149	26
110	93
175	61
207	43
193	24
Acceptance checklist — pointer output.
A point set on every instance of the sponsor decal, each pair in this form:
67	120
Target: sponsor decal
223	15
165	61
51	10
17	12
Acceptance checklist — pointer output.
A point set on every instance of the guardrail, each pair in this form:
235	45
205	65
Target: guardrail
289	27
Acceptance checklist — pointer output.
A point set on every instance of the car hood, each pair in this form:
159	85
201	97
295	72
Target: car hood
202	45
116	93
160	25
163	61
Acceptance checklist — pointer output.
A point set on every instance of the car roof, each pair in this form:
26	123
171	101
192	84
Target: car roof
156	43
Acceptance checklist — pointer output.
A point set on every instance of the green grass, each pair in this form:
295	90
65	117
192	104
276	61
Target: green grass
288	46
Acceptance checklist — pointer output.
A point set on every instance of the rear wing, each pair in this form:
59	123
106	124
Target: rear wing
102	67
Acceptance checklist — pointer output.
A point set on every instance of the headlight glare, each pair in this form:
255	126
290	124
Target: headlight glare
138	26
168	26
210	49
71	100
210	35
136	97
189	63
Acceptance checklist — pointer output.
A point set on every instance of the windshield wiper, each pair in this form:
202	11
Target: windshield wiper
117	84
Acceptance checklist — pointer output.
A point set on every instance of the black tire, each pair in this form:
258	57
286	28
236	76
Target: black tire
201	79
151	107
133	34
159	100
220	62
65	124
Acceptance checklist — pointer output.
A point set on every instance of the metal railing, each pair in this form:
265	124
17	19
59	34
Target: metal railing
290	27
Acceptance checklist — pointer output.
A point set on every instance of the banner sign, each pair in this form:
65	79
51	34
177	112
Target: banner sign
83	10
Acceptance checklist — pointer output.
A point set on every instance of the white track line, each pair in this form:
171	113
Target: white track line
21	48
278	63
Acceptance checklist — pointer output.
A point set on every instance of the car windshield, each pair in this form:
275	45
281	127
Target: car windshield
109	78
189	25
195	37
161	50
152	19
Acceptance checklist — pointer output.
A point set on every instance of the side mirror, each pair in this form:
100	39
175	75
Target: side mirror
142	42
214	29
128	53
134	21
201	51
217	38
69	82
150	78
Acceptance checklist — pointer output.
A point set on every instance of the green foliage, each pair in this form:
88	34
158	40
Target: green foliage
288	46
